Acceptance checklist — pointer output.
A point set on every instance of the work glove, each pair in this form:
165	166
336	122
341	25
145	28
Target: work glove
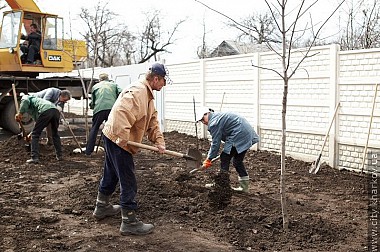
206	164
18	117
64	122
28	138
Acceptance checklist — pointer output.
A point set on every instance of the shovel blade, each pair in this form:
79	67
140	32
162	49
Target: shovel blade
315	166
197	155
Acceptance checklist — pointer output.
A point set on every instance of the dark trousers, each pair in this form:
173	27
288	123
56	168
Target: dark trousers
49	134
97	120
31	52
237	161
119	167
50	116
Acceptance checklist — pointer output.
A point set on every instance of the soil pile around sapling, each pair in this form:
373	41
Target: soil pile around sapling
220	192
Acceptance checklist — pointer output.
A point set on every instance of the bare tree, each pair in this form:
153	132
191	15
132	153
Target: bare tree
371	26
128	50
257	28
105	39
111	44
290	32
86	90
361	28
117	47
2	5
203	51
154	39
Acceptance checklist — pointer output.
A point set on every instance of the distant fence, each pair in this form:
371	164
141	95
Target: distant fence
232	84
329	77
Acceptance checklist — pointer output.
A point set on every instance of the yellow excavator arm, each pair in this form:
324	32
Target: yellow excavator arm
25	5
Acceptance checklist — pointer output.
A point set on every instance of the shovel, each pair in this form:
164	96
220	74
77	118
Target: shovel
317	164
194	164
71	131
169	152
196	154
22	134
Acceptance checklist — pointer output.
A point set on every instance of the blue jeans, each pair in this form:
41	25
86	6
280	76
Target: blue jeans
119	167
237	162
97	120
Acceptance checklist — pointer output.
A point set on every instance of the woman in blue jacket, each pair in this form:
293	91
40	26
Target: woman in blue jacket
238	136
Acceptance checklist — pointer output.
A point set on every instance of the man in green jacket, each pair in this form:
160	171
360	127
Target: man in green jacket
44	113
103	96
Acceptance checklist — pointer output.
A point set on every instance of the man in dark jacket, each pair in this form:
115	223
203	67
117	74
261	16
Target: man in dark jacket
58	97
34	43
55	95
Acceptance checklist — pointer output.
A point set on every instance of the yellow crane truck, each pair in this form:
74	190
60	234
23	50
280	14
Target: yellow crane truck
55	55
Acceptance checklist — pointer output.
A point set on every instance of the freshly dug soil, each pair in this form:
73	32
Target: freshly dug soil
48	206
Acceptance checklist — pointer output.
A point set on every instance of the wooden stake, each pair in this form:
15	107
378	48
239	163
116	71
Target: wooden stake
369	128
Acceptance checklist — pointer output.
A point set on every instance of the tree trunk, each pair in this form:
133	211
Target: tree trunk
285	219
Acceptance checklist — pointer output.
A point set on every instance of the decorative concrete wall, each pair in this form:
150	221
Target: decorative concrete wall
329	77
233	83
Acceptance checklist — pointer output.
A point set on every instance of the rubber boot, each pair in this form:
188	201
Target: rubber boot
131	225
33	161
103	208
243	184
209	185
34	147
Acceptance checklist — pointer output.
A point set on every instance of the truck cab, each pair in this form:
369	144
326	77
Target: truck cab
54	54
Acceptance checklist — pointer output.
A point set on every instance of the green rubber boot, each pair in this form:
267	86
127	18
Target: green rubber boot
243	185
130	225
103	208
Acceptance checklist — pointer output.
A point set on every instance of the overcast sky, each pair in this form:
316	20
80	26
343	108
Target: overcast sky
189	36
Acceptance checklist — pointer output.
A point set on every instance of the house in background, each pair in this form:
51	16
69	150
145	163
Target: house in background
230	47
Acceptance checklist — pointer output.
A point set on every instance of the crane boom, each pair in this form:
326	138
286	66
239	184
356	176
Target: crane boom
26	5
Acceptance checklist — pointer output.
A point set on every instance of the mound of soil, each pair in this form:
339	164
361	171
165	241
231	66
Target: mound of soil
48	206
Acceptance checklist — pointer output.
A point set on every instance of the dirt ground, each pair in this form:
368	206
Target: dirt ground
48	206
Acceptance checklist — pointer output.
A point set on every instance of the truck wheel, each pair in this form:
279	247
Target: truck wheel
8	122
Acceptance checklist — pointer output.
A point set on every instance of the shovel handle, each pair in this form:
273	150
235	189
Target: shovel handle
71	131
15	97
17	109
152	148
316	166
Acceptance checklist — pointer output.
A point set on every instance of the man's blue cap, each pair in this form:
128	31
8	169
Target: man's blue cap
161	70
158	68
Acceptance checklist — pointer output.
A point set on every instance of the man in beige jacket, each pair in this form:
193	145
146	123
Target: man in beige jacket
132	117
